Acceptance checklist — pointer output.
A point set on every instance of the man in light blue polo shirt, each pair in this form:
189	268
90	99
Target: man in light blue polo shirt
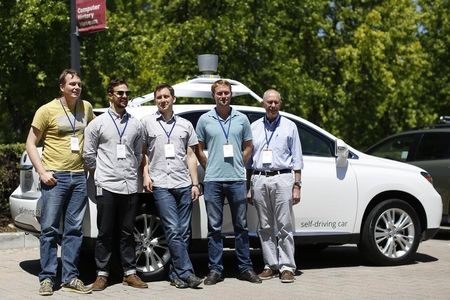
226	134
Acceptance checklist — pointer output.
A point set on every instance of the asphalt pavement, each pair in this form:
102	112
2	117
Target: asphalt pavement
338	272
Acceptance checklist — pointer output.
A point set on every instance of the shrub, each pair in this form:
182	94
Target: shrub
9	174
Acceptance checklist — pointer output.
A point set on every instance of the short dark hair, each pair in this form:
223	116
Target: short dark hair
65	72
115	82
219	82
164	86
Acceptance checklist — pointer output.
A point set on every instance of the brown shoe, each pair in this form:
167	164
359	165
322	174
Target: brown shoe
100	283
268	274
287	277
134	281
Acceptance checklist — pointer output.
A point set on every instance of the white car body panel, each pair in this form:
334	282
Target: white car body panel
336	190
336	198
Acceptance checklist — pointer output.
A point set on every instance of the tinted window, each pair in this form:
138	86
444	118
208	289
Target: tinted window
434	145
397	148
193	117
313	142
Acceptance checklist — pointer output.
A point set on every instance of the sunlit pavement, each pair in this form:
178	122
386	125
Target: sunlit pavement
337	272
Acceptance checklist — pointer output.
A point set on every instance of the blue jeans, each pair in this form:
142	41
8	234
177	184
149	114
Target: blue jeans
215	193
67	200
175	212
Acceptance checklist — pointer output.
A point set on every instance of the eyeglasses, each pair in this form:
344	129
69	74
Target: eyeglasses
121	93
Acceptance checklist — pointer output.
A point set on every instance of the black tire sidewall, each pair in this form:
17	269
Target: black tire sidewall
368	245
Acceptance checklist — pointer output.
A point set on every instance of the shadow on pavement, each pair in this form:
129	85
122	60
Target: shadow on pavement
306	259
443	234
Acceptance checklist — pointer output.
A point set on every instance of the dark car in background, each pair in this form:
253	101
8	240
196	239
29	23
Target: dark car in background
427	148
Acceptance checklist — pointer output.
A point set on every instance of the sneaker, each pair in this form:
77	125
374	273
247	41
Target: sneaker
178	283
268	274
100	283
287	276
46	288
76	286
134	281
193	281
249	276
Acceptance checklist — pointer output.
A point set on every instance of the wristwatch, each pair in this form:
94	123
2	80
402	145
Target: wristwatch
298	183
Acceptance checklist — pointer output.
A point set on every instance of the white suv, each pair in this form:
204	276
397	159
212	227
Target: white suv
384	206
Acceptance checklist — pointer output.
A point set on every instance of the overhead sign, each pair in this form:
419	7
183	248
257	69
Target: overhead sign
91	15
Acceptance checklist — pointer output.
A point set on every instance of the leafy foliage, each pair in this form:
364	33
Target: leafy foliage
360	69
9	175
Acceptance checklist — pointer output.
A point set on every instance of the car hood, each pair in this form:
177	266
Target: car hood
385	163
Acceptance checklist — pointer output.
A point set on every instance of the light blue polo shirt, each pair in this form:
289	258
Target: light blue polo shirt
210	132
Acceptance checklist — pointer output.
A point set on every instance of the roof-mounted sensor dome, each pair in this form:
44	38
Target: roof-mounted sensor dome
207	64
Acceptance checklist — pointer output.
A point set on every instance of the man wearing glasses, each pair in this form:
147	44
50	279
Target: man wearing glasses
113	147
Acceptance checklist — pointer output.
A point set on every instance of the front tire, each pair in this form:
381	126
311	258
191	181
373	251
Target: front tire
391	233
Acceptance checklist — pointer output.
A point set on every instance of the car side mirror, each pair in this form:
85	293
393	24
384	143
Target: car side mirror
341	153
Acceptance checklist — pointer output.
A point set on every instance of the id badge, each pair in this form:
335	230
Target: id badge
99	191
74	145
267	156
169	150
227	150
121	151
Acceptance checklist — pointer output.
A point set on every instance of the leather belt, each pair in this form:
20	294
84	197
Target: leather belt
272	173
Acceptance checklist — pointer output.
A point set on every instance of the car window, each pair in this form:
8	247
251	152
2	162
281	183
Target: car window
313	142
193	116
434	145
398	148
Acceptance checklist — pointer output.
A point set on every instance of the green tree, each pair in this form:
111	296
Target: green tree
34	35
435	37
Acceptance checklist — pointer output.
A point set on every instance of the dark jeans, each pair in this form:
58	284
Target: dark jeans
215	193
115	214
175	212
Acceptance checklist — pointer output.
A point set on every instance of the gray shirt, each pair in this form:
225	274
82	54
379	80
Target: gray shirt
101	140
171	172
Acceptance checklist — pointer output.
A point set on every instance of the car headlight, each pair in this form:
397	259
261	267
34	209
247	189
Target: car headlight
427	176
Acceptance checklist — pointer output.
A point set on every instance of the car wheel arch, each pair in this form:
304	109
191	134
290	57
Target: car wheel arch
400	195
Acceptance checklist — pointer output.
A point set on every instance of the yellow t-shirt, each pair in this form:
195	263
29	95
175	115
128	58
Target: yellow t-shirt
57	129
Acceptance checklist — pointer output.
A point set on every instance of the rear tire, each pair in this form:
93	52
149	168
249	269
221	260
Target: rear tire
391	233
152	252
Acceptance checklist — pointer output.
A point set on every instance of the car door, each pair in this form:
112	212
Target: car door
329	193
433	155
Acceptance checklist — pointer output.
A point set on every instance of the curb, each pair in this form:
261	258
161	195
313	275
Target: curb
18	240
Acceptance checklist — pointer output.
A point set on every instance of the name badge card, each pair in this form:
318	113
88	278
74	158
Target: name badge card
227	150
99	191
121	151
169	150
74	145
267	156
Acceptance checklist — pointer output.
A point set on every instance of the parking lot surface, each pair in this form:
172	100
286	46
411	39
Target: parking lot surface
337	272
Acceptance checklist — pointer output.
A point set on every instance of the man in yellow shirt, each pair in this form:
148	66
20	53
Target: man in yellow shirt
60	125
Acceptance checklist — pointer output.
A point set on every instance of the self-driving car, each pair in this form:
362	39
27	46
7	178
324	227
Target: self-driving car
385	207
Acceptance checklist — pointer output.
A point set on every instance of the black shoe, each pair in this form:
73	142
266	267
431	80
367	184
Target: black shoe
249	276
178	283
193	281
213	278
